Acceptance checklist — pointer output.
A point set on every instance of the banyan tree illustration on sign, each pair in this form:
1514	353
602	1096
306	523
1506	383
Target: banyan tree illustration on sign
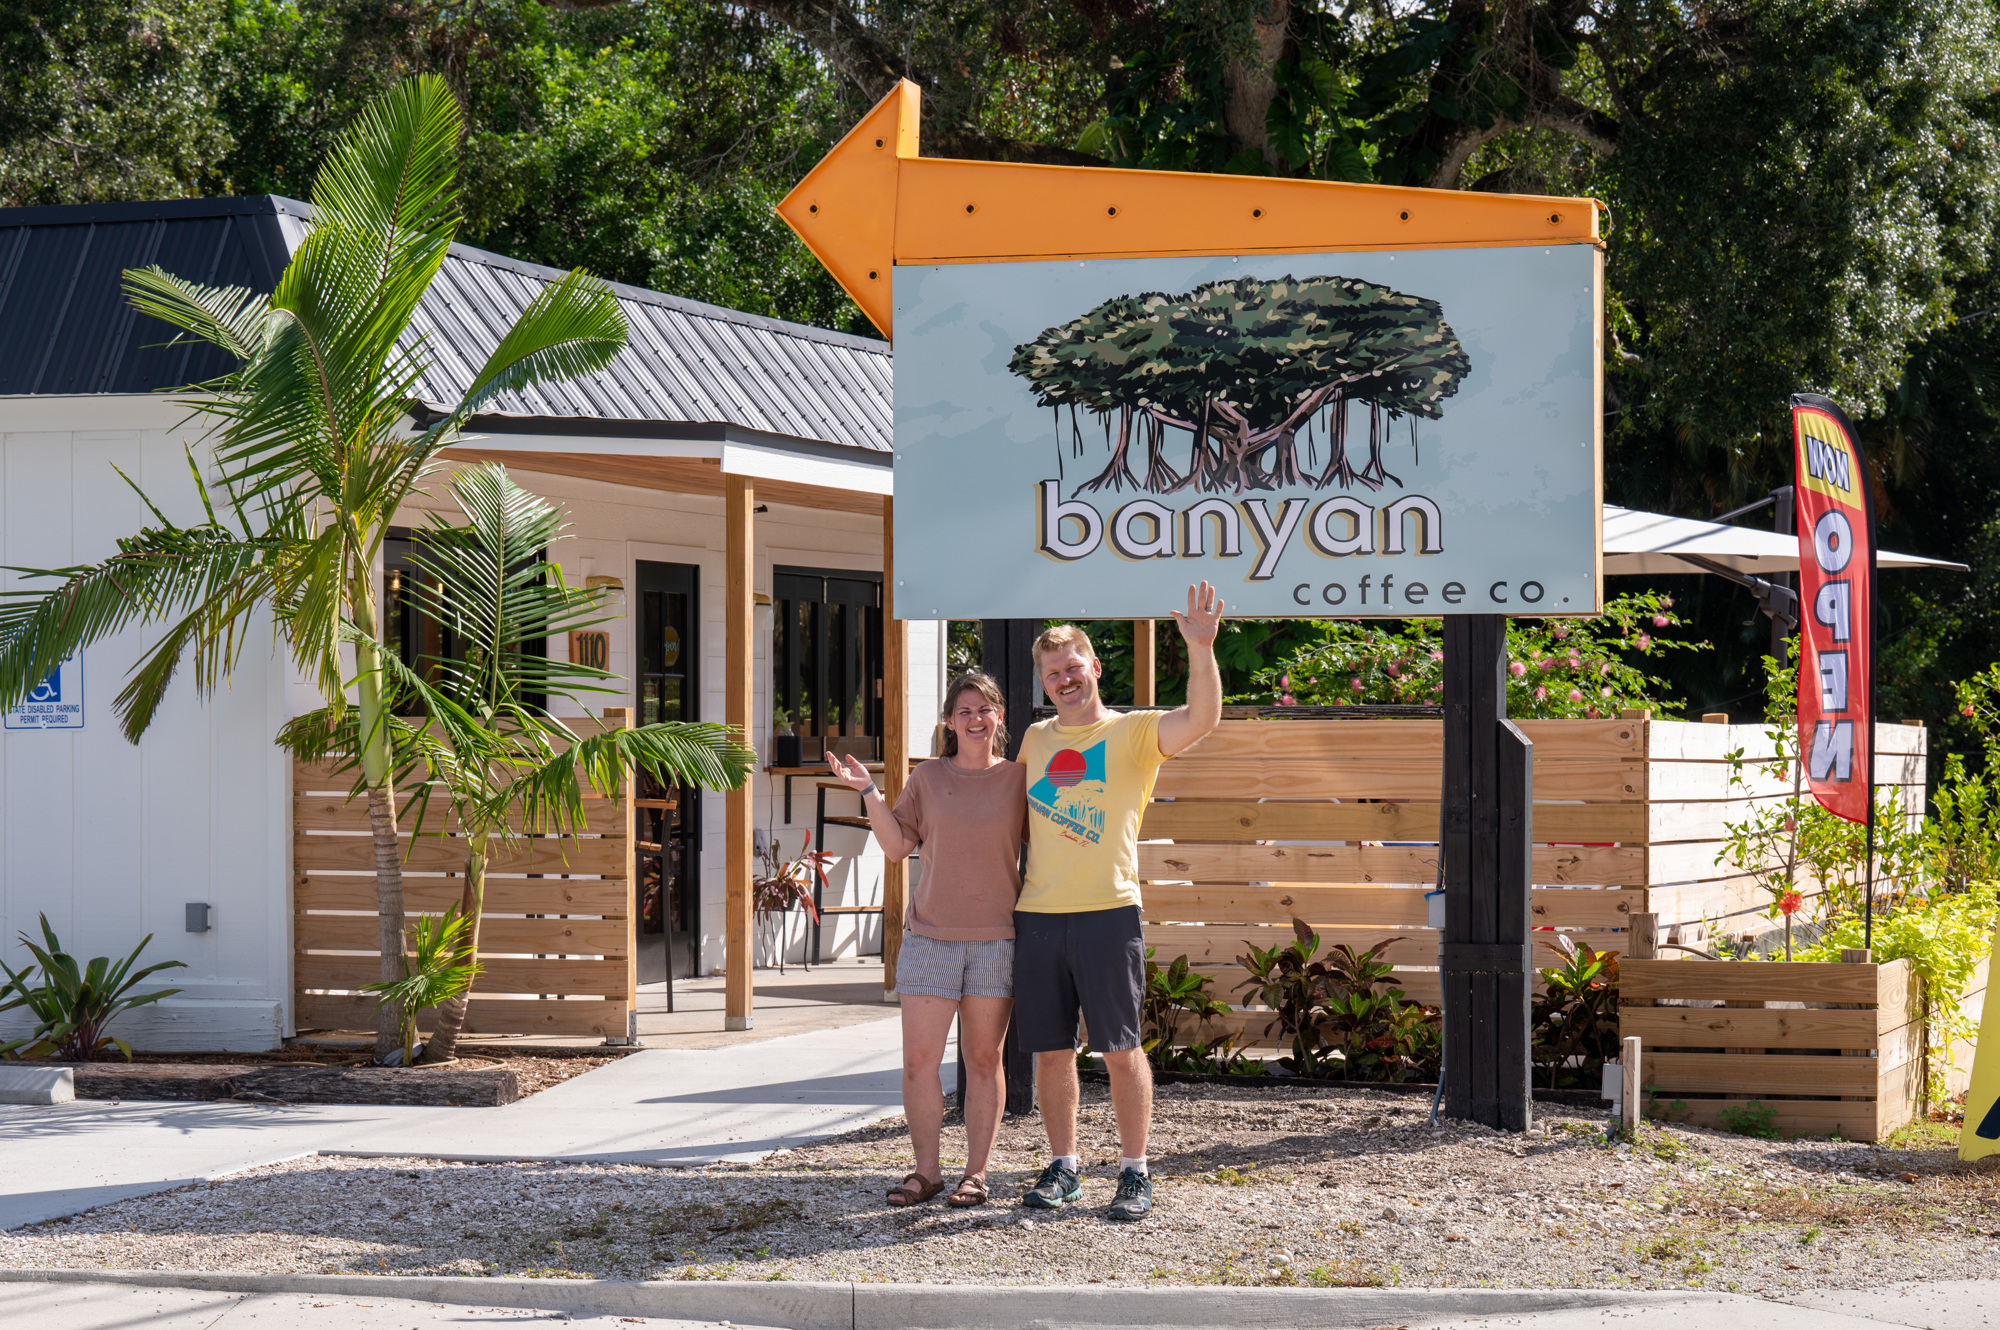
1252	372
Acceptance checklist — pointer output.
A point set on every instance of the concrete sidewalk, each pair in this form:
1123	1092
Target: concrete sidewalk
1953	1305
93	1300
661	1107
679	1106
115	1307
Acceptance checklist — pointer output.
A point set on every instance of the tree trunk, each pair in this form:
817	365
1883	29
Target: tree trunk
1253	84
1338	471
1160	477
443	1045
1118	474
379	772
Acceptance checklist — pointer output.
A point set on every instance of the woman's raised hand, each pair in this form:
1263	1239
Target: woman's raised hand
850	772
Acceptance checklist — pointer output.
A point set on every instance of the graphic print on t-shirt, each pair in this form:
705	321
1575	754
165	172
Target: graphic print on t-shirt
1068	793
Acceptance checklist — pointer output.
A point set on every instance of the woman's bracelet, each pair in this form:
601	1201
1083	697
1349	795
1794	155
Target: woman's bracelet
870	790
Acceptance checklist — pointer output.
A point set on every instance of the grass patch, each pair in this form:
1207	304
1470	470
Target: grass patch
1924	1134
1751	1119
1673	1247
1231	1177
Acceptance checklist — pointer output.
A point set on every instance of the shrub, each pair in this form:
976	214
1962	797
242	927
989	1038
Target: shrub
435	970
72	1005
1343	1017
1751	1119
1945	937
1555	667
1174	993
1575	1018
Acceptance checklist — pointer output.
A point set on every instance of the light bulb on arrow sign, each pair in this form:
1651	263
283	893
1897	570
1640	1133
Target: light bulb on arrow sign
872	203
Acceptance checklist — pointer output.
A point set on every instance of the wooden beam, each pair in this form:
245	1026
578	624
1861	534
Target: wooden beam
895	745
739	499
622	718
677	475
1144	666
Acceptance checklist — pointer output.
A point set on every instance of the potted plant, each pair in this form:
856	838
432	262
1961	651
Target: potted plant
785	885
784	744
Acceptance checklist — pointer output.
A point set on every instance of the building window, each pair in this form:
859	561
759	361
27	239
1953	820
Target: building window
826	660
410	629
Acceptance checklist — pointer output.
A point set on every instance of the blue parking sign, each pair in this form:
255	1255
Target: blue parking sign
56	703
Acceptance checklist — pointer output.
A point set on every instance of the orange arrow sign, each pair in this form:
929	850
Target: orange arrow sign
872	203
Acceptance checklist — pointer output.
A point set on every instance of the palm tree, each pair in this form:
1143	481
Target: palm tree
313	450
486	741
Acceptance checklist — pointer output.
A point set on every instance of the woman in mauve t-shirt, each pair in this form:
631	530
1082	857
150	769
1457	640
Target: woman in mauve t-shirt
967	812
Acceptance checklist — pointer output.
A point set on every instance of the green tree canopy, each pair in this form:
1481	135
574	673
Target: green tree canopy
1243	367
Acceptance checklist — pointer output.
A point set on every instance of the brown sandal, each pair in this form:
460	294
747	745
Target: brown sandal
914	1190
970	1191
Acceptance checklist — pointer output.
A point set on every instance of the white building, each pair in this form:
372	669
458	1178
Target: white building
112	840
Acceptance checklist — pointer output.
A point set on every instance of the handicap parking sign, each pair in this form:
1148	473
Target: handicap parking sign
56	703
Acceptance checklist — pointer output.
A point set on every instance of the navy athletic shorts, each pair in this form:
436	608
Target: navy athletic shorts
1094	963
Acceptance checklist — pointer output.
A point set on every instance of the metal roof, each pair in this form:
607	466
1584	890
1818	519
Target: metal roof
691	369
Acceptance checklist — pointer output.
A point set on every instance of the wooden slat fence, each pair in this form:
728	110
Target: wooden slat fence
1335	822
557	945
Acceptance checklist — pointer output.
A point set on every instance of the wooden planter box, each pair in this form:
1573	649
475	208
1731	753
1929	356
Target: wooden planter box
1831	1049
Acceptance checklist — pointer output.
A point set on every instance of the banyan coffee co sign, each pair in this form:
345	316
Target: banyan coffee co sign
1385	434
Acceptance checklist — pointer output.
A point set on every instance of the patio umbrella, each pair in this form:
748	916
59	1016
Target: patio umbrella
1637	543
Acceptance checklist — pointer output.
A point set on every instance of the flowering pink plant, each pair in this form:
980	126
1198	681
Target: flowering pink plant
1377	662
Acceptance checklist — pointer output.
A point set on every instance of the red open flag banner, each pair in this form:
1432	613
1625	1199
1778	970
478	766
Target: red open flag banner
1836	608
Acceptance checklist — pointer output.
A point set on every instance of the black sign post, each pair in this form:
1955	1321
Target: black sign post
1487	832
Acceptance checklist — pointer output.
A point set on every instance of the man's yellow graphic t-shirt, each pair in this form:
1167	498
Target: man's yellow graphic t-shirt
1088	786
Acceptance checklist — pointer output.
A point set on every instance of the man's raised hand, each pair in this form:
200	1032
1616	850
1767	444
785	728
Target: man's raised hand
1203	619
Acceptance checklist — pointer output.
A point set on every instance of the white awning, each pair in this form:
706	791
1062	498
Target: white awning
1636	542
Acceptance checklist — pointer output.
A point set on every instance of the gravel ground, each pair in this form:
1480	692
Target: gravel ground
1309	1187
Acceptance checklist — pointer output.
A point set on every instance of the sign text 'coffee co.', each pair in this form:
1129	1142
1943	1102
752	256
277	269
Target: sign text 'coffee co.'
1327	399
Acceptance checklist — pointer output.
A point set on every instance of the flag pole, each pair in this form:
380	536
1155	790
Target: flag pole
1868	911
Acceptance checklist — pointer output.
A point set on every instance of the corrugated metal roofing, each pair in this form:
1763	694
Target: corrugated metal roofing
65	327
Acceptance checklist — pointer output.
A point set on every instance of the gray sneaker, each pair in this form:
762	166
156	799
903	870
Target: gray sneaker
1056	1188
1135	1196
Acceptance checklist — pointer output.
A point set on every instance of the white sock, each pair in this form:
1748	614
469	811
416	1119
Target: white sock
1136	1165
1070	1162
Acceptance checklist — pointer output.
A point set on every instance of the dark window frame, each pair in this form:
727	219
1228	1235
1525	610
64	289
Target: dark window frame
826	641
401	619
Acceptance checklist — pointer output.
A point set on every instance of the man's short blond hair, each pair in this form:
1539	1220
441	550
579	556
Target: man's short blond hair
1060	636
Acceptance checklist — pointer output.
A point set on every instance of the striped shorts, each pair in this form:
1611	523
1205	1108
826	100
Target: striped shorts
934	968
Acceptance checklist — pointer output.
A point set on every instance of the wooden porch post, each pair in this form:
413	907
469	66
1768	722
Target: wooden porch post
1144	667
739	651
895	746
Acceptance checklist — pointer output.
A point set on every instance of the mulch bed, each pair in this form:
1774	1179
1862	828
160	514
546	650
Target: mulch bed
316	1074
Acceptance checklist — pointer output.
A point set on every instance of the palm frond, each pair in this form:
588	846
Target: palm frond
394	170
683	752
488	581
205	572
231	317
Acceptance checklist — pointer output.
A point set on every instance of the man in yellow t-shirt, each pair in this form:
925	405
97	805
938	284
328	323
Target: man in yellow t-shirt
1079	946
